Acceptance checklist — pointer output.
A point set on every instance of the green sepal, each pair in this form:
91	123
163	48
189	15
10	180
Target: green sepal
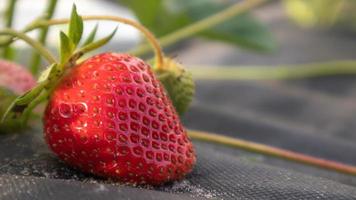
178	83
75	30
20	103
21	107
97	44
49	73
91	36
67	47
30	95
27	113
6	98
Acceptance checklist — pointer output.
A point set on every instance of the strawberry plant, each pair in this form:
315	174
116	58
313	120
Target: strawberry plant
115	116
108	115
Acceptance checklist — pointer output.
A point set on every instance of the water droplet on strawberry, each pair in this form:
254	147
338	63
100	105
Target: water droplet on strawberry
65	110
80	108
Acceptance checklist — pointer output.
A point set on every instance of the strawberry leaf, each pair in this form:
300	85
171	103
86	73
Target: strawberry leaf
91	36
66	47
244	31
75	30
97	44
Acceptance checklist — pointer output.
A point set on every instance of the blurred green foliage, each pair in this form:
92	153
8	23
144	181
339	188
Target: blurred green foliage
323	13
165	16
6	97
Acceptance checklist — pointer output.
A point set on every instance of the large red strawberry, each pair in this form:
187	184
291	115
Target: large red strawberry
108	116
111	117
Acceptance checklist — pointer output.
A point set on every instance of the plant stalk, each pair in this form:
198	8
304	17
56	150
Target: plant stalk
36	58
194	28
9	15
150	37
38	46
273	151
169	39
284	72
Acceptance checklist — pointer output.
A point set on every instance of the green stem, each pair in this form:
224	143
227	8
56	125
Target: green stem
9	15
185	32
149	36
180	34
274	72
35	58
38	46
32	105
201	25
273	151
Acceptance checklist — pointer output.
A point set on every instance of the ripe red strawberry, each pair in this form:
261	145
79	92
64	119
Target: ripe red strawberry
111	117
15	78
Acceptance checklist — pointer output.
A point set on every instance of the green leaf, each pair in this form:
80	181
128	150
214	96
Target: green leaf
157	16
147	13
91	36
164	17
75	30
97	44
66	47
243	31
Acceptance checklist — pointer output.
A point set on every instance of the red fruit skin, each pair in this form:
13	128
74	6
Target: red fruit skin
111	117
15	78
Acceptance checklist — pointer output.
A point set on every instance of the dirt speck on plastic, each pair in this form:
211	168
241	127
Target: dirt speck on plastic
185	186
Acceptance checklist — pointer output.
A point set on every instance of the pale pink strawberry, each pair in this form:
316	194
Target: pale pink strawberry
15	78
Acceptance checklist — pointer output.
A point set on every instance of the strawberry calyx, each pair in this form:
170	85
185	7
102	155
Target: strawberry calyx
159	55
70	51
178	82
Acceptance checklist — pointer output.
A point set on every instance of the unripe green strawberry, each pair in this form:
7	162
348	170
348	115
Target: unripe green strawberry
178	82
111	117
14	80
